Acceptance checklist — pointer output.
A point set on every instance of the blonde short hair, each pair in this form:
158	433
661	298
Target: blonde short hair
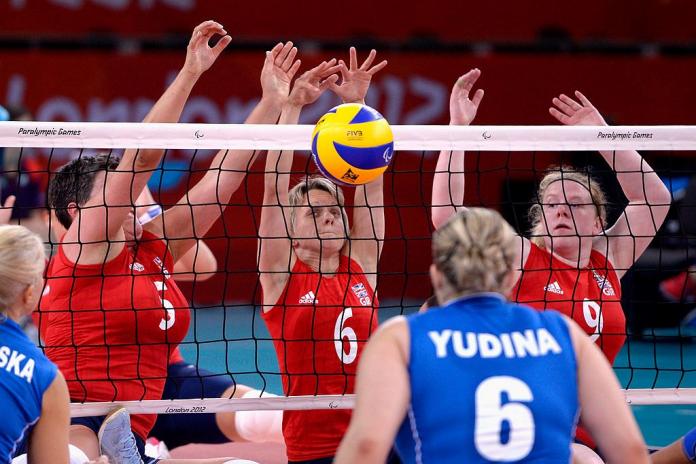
22	262
559	173
297	195
475	250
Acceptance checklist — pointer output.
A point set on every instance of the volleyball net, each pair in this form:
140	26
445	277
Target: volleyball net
227	336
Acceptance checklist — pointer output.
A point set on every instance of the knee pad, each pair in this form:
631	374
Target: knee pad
259	426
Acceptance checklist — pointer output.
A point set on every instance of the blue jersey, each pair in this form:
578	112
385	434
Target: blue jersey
25	374
490	381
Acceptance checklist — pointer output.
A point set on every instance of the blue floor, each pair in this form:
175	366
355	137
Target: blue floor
235	340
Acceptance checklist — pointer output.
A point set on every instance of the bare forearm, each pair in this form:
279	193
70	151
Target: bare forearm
171	104
279	163
266	112
448	186
369	210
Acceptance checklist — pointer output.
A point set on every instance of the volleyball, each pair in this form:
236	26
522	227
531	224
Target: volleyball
352	144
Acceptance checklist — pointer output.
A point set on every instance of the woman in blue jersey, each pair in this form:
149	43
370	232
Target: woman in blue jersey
33	394
481	379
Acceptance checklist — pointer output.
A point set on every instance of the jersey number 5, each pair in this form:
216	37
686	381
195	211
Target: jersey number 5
341	332
490	415
166	322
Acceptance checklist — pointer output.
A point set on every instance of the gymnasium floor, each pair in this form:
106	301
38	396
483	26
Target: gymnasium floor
248	353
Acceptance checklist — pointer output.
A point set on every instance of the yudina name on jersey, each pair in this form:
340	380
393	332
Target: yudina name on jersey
16	363
537	342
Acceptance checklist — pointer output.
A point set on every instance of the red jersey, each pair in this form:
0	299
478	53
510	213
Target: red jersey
319	326
590	296
112	327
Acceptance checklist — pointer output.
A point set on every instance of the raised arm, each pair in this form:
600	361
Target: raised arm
382	391
97	233
202	206
367	232
198	264
449	178
648	197
275	249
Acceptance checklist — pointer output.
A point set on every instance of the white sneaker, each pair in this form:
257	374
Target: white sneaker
116	440
156	449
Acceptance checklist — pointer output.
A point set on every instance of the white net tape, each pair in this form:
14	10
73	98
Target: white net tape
638	396
298	137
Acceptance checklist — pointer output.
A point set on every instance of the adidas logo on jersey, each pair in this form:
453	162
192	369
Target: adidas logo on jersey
309	298
554	288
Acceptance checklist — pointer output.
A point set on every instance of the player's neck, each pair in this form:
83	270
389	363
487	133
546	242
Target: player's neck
325	263
15	312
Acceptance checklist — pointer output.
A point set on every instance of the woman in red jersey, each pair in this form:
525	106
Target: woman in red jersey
113	314
318	280
573	260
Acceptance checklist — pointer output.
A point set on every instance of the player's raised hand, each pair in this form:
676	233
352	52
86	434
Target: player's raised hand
578	112
279	68
200	56
463	106
310	85
355	80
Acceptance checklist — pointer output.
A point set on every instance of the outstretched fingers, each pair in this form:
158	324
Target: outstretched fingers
466	81
222	44
282	53
563	106
329	82
353	59
478	96
330	67
570	102
368	61
294	68
377	68
562	118
583	99
289	60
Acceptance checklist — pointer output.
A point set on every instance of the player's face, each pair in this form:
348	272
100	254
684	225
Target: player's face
319	222
569	214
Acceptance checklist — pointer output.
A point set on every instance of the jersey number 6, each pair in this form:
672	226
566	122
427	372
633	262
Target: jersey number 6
341	332
490	415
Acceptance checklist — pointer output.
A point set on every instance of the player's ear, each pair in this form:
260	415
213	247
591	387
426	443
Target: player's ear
437	279
29	297
598	225
72	209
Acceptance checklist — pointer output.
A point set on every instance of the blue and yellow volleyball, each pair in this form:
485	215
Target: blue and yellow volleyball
352	144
